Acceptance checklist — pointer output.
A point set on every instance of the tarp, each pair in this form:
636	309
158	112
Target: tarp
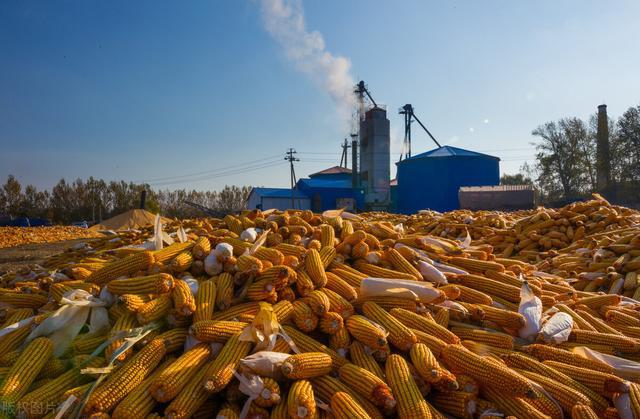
135	218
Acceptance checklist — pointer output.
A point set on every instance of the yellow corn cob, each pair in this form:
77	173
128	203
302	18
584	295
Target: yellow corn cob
48	395
181	262
340	341
308	344
231	411
287	249
270	394
410	402
621	343
548	353
634	398
176	376
23	300
580	411
304	284
401	264
184	302
327	255
304	318
215	330
578	320
314	268
133	302
86	343
326	386
272	255
455	403
380	272
423	324
338	304
165	255
367	331
490	287
520	361
565	395
263	290
201	248
16	315
504	318
516	406
461	360
331	323
23	373
139	403
484	349
367	385
126	378
598	301
327	235
492	338
220	370
248	263
427	365
119	309
306	365
300	401
351	277
280	411
619	318
399	335
190	399
173	339
250	308
154	309
442	318
388	303
279	275
469	295
341	287
318	302
476	265
124	322
600	382
343	406
123	267
224	291
360	357
205	301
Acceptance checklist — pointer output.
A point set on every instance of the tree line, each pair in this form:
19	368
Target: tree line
94	200
565	165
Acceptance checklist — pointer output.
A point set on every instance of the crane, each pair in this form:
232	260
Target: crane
409	117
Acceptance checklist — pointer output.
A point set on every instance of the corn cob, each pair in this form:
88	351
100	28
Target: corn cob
326	386
399	335
123	267
455	403
124	322
401	264
280	411
250	264
304	318
327	255
340	287
86	343
566	396
548	353
184	302
165	255
367	331
338	304
427	365
389	302
224	291
126	378
476	265
23	300
343	406
133	302
189	400
308	344
279	275
600	382
340	341
270	394
201	248
367	385
351	276
496	339
173	339
380	272
272	255
516	406
220	370
578	320
461	360
306	365
327	235
181	262
304	284
250	308
205	301
216	330
423	324
154	309
314	268
177	375
580	411
364	360
410	403
300	401
504	318
318	302
331	323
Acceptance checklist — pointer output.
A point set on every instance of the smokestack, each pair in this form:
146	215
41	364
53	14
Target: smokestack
603	162
354	163
143	199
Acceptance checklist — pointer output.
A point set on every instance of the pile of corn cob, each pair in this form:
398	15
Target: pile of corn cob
275	315
16	236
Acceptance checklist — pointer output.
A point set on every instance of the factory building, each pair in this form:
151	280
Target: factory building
278	198
375	158
432	180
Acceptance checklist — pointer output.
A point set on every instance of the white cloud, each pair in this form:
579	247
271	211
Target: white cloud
486	121
472	129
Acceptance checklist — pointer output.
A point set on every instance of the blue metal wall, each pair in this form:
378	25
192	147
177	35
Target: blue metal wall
325	193
433	182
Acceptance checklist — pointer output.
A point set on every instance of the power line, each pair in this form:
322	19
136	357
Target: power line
290	158
211	171
223	174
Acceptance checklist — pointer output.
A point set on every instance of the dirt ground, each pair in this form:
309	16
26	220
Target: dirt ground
13	258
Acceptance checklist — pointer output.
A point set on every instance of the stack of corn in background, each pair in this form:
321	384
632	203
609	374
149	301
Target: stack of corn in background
276	315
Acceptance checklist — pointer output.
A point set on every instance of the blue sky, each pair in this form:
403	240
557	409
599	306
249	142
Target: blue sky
155	90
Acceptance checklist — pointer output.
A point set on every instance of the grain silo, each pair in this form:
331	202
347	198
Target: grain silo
431	180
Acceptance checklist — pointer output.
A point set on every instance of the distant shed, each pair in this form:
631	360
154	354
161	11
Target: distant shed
278	198
431	180
330	193
501	197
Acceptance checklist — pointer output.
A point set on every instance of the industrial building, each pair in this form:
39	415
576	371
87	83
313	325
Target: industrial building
431	180
278	198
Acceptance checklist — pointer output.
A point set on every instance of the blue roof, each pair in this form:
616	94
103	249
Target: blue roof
327	183
449	151
278	193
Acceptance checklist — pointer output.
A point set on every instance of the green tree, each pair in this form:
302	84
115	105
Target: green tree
517	179
12	196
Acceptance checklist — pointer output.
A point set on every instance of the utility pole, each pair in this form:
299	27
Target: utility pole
344	159
290	158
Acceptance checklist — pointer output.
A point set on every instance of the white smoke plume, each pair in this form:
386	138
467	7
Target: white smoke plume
284	20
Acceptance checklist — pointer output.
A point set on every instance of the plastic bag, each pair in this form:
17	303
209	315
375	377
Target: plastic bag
625	368
531	308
